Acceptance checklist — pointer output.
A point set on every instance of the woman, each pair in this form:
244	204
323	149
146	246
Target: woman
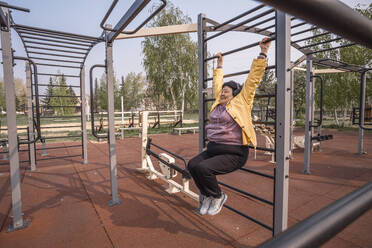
229	132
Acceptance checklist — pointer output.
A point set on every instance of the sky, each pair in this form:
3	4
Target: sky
84	16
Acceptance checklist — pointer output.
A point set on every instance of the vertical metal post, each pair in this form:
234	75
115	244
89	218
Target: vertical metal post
111	122
283	98
202	53
122	110
291	112
308	116
362	111
84	115
30	117
15	180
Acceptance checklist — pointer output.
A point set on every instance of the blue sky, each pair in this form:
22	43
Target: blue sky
84	16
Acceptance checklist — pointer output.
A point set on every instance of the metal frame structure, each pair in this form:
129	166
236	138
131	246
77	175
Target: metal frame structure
47	48
286	31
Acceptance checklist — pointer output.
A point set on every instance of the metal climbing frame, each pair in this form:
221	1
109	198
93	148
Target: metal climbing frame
287	31
280	174
65	52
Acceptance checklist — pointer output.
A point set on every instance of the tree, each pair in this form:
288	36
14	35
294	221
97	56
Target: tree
48	94
132	88
63	97
170	62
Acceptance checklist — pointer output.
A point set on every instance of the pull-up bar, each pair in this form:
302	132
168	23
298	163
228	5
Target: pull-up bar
133	11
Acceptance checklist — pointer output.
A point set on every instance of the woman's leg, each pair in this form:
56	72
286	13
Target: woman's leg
192	167
207	169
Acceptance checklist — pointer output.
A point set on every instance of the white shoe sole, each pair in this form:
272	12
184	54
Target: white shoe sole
221	205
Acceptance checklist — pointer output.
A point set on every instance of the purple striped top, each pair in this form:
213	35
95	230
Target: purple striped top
222	128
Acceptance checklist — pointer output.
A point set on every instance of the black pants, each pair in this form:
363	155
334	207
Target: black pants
216	160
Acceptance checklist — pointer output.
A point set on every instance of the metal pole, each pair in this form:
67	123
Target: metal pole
291	112
361	112
202	53
308	122
111	122
15	180
30	117
122	110
84	105
283	98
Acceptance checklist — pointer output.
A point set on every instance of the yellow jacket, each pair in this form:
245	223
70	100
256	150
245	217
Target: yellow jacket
240	106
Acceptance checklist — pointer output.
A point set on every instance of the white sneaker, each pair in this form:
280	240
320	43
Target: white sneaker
216	204
203	210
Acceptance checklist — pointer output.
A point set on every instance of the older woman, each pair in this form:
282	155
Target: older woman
229	132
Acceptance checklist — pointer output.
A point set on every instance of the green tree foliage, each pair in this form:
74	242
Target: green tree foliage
132	88
60	97
100	94
170	62
21	97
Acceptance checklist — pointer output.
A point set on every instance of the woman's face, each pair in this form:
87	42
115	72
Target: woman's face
226	95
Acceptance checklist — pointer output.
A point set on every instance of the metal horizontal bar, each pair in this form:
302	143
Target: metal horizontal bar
55	50
57	96
58	55
55	45
53	65
326	223
311	37
59	117
184	172
237	50
264	96
265	28
320	43
304	31
240	24
60	157
262	149
332	48
247	194
52	127
257	173
57	41
63	106
55	37
165	150
298	24
61	86
261	22
62	137
248	217
2	4
239	16
57	75
59	33
58	60
57	147
241	73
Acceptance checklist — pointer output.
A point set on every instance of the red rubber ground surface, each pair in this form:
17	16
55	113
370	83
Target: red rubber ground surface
66	201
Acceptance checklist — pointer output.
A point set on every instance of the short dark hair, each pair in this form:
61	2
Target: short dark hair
236	88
